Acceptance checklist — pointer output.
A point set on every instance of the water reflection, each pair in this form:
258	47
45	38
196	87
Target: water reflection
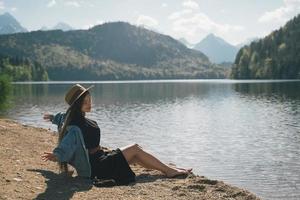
247	134
116	93
279	90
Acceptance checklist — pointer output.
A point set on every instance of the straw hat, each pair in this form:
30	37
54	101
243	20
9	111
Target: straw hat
75	93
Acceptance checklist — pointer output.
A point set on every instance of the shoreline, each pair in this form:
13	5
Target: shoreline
221	80
25	176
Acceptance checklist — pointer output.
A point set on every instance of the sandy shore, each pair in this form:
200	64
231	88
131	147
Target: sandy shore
23	175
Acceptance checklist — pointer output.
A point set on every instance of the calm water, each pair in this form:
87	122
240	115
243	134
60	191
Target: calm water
245	133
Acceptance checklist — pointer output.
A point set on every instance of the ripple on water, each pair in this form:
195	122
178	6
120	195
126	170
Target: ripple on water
246	134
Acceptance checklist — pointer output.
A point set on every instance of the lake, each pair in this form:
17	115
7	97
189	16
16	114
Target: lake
246	133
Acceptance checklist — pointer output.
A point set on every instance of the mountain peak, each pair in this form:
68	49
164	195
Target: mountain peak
211	35
217	49
7	17
116	23
213	38
7	14
62	26
9	25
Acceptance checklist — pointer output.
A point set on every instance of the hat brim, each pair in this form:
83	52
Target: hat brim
87	89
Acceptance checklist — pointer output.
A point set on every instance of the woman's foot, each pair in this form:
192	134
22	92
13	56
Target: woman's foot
189	169
175	171
171	165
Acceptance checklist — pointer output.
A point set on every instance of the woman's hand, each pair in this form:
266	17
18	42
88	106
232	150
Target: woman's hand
49	156
48	117
105	149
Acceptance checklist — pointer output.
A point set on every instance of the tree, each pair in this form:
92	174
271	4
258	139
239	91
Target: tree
5	91
277	56
244	71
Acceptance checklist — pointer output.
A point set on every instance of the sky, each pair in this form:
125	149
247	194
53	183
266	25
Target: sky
234	20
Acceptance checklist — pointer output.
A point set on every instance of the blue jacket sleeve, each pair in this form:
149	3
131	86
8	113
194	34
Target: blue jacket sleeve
66	149
58	119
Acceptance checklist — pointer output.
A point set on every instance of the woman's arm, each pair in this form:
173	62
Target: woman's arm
50	156
66	149
48	117
57	119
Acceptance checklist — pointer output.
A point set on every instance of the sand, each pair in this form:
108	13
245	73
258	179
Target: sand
23	175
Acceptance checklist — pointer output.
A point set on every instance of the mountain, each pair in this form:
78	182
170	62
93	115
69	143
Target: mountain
44	28
62	26
115	50
8	24
59	26
185	42
217	49
277	56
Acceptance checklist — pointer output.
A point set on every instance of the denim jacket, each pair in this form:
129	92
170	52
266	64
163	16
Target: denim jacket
72	148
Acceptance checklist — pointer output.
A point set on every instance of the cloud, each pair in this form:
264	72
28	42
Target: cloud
282	14
194	25
190	4
164	5
291	2
89	4
72	3
279	14
2	5
13	9
179	14
51	3
147	21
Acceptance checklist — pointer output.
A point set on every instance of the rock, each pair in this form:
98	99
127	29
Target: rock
18	179
196	187
176	188
207	182
2	127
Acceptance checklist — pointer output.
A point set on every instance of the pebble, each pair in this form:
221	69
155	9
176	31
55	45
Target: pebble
181	194
196	187
18	179
176	188
4	127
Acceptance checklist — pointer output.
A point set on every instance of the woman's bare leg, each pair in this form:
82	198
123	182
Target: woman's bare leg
135	154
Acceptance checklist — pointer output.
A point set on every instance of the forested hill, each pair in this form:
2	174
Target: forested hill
115	50
276	56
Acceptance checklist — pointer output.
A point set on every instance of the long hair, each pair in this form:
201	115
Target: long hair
73	114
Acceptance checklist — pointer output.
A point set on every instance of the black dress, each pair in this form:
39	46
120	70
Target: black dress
104	165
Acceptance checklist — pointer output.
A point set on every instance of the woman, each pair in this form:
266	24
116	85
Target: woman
79	139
